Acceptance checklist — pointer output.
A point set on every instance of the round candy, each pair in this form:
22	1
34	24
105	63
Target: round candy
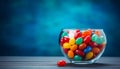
72	41
79	52
82	46
66	45
79	41
73	47
95	50
77	35
87	49
94	36
77	58
70	54
64	34
61	63
87	39
89	55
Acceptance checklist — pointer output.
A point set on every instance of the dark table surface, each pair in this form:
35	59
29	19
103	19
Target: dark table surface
50	62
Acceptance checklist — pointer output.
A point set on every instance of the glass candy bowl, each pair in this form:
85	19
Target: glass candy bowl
82	46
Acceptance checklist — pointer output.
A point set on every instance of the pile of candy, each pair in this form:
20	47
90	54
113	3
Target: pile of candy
61	63
82	45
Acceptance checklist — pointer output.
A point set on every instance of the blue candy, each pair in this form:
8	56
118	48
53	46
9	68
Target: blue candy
87	49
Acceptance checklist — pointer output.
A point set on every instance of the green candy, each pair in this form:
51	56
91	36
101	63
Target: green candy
79	41
99	40
94	37
64	34
77	58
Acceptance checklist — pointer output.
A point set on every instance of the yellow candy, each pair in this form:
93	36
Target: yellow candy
72	41
73	47
66	45
89	55
70	54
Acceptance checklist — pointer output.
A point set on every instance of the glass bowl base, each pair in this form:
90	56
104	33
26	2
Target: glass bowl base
83	62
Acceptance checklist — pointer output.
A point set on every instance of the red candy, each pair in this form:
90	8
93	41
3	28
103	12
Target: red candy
61	41
61	63
78	34
77	30
79	52
92	44
65	50
66	39
87	39
101	46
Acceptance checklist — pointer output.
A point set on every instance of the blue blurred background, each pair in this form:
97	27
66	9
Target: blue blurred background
32	27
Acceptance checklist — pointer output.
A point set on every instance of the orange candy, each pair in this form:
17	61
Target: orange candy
73	47
95	50
82	46
86	33
97	32
70	54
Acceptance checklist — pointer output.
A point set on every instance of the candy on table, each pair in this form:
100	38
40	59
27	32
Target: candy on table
87	39
96	50
72	41
89	55
61	63
77	58
64	34
73	47
66	45
79	52
87	49
70	54
79	41
82	46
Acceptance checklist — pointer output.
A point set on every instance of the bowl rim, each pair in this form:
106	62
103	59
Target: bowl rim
81	29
